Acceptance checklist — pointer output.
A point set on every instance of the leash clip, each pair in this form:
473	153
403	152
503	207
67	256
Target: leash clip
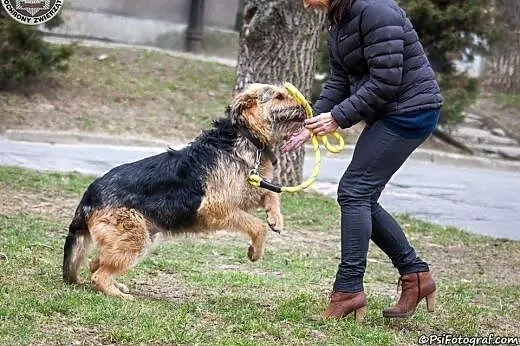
257	161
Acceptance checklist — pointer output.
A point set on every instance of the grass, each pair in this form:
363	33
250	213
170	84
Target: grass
122	92
509	100
204	290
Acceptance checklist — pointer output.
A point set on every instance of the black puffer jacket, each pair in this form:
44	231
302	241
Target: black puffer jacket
377	66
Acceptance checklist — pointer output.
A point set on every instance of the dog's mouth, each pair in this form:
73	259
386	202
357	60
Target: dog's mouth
289	120
294	124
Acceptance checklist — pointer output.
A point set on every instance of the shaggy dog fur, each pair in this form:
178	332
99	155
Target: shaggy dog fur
201	188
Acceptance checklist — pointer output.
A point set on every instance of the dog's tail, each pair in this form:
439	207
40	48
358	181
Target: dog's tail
76	246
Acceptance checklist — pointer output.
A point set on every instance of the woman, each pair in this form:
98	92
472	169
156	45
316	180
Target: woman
379	73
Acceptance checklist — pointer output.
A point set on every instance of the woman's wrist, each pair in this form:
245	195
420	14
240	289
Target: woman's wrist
342	121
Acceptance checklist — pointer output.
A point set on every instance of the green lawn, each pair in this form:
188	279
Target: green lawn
204	290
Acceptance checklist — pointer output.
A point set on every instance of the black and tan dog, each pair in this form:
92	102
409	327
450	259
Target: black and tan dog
202	187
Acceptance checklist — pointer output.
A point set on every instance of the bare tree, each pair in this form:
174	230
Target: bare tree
278	43
502	71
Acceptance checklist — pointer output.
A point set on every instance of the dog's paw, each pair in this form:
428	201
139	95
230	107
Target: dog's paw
275	223
275	228
254	253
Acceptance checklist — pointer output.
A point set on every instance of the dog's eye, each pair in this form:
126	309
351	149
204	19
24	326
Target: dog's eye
279	96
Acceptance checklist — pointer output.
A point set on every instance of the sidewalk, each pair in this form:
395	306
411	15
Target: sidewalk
105	44
424	155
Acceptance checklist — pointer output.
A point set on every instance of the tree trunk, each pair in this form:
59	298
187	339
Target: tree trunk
278	43
502	73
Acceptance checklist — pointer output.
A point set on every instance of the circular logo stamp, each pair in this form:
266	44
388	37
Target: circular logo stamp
32	12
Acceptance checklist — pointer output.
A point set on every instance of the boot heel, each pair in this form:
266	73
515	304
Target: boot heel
359	314
431	301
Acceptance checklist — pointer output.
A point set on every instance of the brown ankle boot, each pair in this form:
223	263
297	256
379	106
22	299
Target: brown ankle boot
341	304
415	287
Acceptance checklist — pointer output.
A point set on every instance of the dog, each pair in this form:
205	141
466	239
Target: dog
200	188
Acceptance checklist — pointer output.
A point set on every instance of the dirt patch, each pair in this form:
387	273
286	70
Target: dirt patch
44	203
304	238
506	326
76	335
459	261
163	285
469	265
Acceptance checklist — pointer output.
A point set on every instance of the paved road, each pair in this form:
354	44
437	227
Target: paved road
479	200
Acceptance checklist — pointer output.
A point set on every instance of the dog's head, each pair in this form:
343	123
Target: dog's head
267	111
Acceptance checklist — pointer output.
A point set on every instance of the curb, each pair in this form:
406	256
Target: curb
85	42
439	157
36	136
424	155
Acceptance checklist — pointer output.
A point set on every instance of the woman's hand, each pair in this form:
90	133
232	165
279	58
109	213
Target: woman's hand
322	124
296	140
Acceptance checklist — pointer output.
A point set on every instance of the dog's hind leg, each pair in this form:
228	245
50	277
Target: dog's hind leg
122	238
104	279
271	203
94	266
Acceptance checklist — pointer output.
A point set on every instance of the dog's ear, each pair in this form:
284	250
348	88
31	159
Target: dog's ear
245	111
242	107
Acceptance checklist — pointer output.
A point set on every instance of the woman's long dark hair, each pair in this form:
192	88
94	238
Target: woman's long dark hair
338	10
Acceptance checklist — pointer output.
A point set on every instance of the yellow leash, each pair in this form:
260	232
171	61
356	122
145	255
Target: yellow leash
256	180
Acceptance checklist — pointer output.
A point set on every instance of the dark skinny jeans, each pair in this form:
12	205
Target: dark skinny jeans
379	153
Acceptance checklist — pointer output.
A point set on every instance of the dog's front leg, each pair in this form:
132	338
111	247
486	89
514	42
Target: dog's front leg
252	227
272	209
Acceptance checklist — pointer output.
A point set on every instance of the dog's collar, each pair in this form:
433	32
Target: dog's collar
262	148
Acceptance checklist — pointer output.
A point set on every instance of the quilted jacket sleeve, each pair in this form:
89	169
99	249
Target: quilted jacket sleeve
335	90
383	46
